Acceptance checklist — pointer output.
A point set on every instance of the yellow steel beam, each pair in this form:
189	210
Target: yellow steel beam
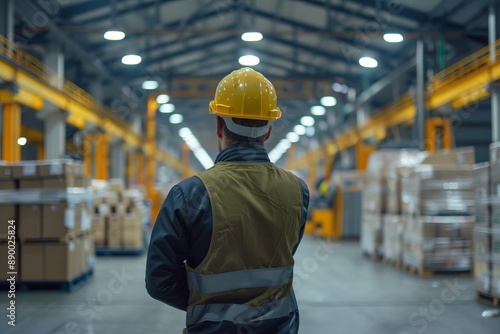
87	155
40	151
80	112
32	135
102	156
139	157
186	154
24	97
293	88
152	192
11	150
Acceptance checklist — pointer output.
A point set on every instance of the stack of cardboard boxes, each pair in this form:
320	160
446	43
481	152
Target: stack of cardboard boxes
437	197
118	217
380	203
487	227
50	204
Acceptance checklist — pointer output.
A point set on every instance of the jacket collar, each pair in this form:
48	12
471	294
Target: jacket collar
245	152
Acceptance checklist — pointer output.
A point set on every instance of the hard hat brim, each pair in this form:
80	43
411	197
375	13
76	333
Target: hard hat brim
226	111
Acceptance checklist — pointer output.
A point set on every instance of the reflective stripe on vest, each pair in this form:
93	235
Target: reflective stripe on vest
241	313
241	279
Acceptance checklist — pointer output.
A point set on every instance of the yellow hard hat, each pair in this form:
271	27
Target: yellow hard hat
246	93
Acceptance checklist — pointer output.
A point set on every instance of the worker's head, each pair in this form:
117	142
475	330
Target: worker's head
245	103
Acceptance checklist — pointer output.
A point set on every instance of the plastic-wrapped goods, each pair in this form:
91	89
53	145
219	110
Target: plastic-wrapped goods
371	234
393	238
439	243
381	188
438	190
482	258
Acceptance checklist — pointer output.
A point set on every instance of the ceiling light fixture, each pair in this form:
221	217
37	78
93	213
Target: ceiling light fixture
114	35
150	84
131	59
393	38
252	36
249	60
307	121
167	108
368	62
318	110
328	101
22	141
162	98
176	118
299	129
292	137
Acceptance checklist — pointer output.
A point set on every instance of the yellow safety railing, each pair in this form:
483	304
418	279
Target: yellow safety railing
467	66
11	51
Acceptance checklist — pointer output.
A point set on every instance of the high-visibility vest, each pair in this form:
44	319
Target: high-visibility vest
247	274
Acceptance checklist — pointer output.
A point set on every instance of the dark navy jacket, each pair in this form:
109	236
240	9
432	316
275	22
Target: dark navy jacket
183	231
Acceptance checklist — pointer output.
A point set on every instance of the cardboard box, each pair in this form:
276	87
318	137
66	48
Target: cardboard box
30	184
99	230
116	185
495	283
114	233
7	212
62	182
25	170
4	266
56	168
7	185
57	220
30	221
79	265
5	172
32	262
60	261
132	232
457	156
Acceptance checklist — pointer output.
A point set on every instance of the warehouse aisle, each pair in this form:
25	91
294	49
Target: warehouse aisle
338	290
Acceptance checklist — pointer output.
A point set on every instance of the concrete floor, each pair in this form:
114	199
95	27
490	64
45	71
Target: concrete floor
338	290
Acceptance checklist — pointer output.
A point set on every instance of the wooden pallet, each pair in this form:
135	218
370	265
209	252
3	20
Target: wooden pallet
422	272
54	286
104	251
394	263
488	299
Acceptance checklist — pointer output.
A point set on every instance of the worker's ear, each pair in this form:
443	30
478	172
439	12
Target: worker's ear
268	134
218	129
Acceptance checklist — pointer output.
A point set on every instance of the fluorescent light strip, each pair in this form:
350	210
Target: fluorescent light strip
194	145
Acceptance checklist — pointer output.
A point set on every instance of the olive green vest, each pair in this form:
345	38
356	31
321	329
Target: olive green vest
247	273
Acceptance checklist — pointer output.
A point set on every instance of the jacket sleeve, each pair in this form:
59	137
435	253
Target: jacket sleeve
305	207
166	278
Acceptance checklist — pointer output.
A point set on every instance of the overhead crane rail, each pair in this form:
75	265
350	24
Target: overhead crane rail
460	85
38	83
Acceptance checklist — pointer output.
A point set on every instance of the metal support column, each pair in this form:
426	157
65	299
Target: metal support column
7	19
495	92
151	161
118	160
55	62
102	156
420	96
11	131
55	133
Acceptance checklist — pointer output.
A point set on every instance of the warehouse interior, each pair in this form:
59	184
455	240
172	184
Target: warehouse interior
391	116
